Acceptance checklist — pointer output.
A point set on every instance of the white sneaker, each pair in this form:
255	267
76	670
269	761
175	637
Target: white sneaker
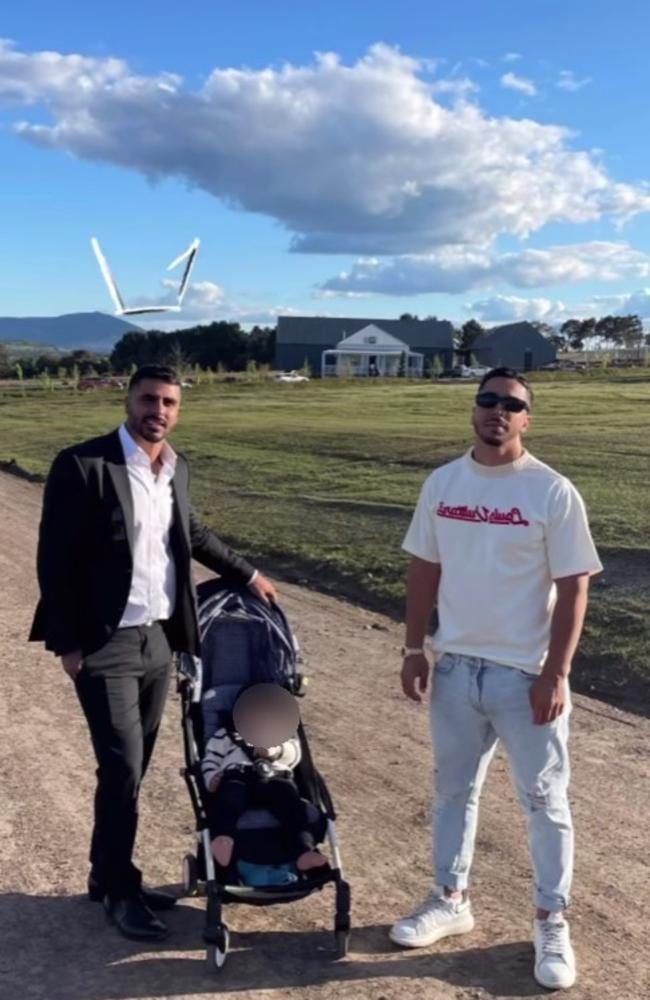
438	917
555	963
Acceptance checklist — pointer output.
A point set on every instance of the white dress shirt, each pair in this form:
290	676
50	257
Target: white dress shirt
153	584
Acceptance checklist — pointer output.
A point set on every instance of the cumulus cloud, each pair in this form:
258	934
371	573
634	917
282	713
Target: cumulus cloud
49	76
567	80
454	269
513	82
510	309
511	57
634	303
207	302
360	158
200	295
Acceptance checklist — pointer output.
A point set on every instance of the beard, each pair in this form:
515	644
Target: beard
492	439
489	435
152	432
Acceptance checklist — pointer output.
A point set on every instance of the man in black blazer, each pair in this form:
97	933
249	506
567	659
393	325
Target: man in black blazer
116	540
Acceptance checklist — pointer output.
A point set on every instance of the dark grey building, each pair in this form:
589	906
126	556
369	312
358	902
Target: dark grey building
304	338
517	345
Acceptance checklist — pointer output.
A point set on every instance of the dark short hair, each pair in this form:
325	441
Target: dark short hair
161	373
503	372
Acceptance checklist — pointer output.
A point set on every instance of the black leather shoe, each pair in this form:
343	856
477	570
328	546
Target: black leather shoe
157	900
152	898
134	920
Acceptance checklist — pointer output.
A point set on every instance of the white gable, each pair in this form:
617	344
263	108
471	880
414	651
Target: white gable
370	337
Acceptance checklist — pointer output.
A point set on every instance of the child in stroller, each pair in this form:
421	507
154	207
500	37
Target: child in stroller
248	764
244	643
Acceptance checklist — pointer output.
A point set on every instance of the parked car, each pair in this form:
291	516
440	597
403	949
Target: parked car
463	371
291	377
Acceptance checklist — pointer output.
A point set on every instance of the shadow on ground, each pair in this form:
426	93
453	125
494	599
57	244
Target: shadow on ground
94	963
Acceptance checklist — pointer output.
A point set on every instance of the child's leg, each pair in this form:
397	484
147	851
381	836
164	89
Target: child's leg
225	807
282	799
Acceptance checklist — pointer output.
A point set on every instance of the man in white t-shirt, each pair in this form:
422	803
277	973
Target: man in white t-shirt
501	543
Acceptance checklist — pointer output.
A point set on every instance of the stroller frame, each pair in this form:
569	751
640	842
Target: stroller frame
200	873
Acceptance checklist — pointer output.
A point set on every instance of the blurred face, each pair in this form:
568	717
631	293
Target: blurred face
152	409
498	424
266	715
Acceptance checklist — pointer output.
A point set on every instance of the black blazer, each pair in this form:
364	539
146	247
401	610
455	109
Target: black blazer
85	545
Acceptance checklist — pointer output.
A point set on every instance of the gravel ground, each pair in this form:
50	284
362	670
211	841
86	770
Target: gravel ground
373	750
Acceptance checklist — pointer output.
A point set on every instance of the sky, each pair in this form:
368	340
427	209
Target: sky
486	158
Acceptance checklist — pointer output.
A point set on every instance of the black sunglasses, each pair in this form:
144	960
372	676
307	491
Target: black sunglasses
511	404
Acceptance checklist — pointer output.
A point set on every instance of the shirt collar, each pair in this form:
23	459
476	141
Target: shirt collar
135	455
494	471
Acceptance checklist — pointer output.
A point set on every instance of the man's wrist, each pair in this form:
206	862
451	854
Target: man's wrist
407	651
556	671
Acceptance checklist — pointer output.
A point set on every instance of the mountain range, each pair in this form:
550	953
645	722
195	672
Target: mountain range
92	331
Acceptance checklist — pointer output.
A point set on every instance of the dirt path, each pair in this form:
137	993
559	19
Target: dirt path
373	750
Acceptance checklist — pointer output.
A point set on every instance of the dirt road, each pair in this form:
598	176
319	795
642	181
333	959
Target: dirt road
373	749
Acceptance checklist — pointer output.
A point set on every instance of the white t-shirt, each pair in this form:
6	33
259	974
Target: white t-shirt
502	534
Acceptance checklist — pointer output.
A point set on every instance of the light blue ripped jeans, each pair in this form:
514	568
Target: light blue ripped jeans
474	704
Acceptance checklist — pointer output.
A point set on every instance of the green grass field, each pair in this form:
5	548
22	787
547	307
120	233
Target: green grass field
318	480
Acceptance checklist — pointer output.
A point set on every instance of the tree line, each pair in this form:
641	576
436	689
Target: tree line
572	335
210	346
213	346
619	331
224	345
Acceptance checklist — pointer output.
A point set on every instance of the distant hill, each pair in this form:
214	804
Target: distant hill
93	331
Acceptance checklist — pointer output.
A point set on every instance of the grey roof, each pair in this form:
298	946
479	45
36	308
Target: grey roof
523	331
326	331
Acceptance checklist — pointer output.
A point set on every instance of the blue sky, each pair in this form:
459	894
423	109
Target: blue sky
482	158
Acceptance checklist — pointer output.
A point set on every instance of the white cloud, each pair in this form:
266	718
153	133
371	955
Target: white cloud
567	80
519	83
35	77
199	295
457	87
358	158
454	269
510	309
202	298
634	303
507	308
208	302
511	57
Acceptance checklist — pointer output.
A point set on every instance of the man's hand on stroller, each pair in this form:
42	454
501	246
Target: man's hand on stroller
263	588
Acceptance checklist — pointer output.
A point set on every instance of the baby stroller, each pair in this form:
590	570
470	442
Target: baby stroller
245	641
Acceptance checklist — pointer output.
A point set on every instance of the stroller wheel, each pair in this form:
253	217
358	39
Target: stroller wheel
342	943
218	952
190	875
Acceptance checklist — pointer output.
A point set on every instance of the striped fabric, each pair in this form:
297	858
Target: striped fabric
223	752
